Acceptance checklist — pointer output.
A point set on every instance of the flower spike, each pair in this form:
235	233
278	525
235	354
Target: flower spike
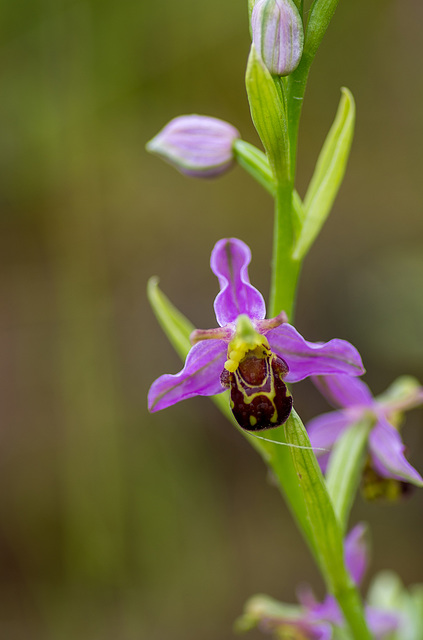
387	466
314	620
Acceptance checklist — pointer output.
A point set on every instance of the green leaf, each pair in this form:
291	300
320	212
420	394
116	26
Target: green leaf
298	208
269	116
328	174
175	325
255	163
324	525
320	15
345	468
325	528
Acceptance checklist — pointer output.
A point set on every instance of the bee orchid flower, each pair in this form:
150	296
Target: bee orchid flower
381	622
251	356
314	620
387	461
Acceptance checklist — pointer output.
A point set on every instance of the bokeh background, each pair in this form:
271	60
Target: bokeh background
119	525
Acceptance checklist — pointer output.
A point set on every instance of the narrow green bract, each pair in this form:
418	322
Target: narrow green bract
328	174
255	163
175	325
320	15
345	468
269	115
324	524
325	528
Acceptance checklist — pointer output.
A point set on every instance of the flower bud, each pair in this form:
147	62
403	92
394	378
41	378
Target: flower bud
197	146
278	35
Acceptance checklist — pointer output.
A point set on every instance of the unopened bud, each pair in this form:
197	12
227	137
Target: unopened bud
278	35
197	146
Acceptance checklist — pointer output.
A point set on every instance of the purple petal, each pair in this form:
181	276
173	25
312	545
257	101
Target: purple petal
313	358
325	430
387	450
382	622
229	262
356	552
199	377
328	610
319	631
344	391
198	146
306	597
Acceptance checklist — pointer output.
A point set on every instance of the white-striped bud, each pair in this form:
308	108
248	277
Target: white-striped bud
278	35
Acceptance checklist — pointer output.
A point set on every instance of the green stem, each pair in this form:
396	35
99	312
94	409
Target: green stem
296	86
285	270
352	607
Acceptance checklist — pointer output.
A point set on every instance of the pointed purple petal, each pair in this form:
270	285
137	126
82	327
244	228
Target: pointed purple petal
199	377
325	430
319	631
322	631
306	597
344	391
327	610
229	262
387	450
382	622
313	358
356	552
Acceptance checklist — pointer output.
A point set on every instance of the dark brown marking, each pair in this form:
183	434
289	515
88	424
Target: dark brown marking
254	377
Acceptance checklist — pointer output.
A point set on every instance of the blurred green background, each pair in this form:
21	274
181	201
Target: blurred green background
119	525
